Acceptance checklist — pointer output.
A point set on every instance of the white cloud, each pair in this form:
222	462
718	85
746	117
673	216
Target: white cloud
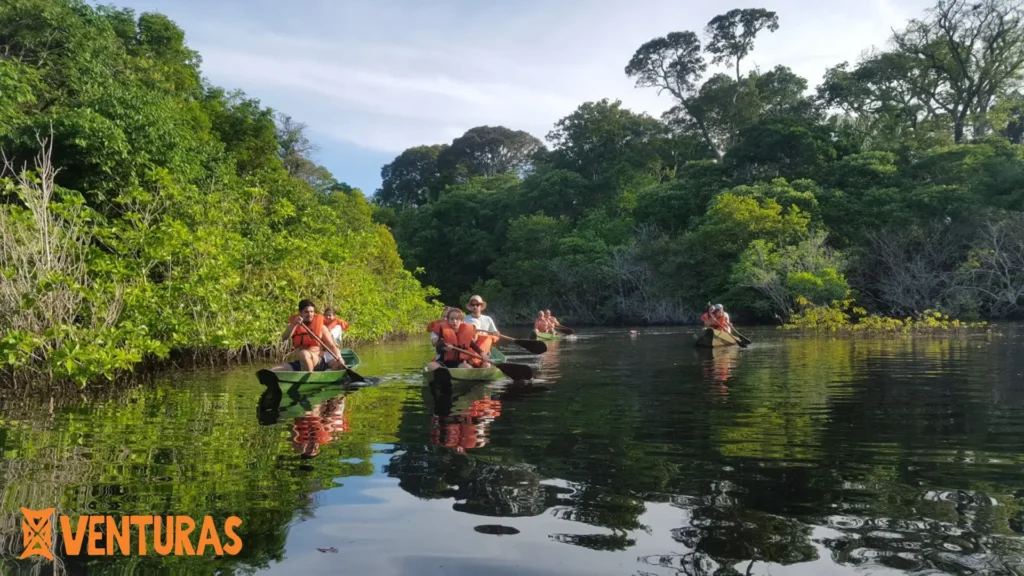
392	75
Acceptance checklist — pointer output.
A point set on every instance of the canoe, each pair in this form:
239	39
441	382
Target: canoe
472	374
711	338
546	336
324	377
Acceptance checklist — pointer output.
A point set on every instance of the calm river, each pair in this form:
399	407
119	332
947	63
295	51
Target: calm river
629	456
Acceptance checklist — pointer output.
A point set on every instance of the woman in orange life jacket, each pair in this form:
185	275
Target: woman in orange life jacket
306	356
708	318
456	334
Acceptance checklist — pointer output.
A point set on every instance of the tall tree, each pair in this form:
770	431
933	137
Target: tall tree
732	34
488	151
674	63
606	143
412	178
965	54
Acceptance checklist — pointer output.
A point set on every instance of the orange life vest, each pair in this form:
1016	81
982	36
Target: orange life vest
301	337
485	341
337	322
464	339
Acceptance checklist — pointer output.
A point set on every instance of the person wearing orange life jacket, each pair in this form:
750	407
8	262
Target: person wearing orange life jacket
457	334
708	318
436	325
336	325
482	323
306	355
721	318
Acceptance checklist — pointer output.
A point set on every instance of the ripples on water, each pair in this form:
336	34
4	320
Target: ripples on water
626	456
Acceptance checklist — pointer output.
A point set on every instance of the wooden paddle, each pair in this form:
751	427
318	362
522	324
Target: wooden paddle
351	373
534	346
513	371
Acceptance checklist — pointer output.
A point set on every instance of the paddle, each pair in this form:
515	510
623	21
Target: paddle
534	346
351	373
565	330
743	340
513	371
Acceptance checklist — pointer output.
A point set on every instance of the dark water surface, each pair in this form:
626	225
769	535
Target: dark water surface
628	456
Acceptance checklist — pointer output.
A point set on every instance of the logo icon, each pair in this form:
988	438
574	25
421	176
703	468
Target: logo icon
37	533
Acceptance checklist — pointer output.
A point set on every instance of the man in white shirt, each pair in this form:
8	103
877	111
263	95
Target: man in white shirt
482	323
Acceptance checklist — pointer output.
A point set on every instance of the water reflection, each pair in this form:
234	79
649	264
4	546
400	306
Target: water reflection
317	415
636	455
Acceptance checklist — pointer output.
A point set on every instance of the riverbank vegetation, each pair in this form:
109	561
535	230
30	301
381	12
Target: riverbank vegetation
897	181
145	212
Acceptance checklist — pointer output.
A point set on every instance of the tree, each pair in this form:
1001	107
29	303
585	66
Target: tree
783	147
608	145
488	151
674	63
413	178
732	34
964	55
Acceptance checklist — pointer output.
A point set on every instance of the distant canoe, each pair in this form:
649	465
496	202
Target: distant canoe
711	338
322	377
472	374
546	336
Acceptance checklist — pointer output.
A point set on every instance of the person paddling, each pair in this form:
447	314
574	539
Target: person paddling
721	318
541	324
481	323
456	334
306	355
552	321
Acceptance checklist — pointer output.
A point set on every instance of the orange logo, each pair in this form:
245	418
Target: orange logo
105	536
36	532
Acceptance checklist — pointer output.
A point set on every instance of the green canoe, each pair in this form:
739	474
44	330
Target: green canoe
546	336
324	377
472	374
711	338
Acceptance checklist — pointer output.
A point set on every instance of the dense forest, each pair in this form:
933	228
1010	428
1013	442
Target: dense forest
145	213
897	183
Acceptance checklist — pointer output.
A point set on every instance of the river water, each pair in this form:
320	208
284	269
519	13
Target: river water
628	455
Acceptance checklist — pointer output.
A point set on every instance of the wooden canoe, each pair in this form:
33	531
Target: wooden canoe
545	336
324	377
711	338
472	374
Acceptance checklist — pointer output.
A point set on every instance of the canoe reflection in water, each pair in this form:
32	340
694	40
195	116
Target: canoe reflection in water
460	421
317	413
463	413
717	366
319	426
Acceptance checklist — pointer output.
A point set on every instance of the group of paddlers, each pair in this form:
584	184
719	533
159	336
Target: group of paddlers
463	341
716	317
545	323
315	338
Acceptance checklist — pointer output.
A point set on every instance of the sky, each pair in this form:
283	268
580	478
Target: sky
371	78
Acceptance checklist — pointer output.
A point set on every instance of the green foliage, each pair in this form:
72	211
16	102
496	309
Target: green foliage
843	316
748	191
186	217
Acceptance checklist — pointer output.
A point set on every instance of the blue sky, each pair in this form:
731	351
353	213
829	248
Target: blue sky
373	77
